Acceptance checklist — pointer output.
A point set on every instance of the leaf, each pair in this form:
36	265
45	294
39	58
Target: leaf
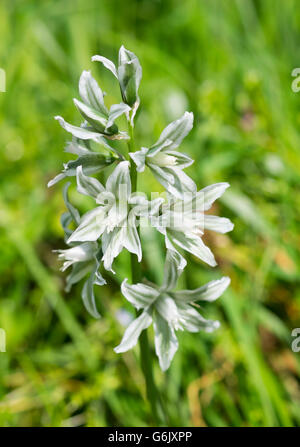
244	207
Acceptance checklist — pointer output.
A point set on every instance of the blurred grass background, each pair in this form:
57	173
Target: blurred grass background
228	62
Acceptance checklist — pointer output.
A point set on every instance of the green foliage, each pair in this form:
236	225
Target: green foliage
228	62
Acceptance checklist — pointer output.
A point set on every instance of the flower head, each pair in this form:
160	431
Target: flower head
115	217
99	122
183	221
165	163
168	310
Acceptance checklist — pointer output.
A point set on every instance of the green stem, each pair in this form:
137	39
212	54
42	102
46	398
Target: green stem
145	351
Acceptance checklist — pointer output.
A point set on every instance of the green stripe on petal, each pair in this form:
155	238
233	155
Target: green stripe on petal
166	343
209	292
139	295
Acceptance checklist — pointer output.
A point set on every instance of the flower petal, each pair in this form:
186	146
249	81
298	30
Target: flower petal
209	292
79	132
88	296
174	133
131	238
107	64
115	111
166	343
92	225
166	307
91	164
79	253
112	245
88	186
218	224
139	295
139	157
143	207
85	133
96	119
74	213
192	243
174	266
78	147
182	160
119	181
79	271
192	321
176	182
211	193
133	332
90	92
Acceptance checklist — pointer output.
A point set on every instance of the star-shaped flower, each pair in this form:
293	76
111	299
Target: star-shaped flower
183	222
115	217
99	121
168	310
165	163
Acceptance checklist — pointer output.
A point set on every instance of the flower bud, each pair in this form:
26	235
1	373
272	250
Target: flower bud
129	75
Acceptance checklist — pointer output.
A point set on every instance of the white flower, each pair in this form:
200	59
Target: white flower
168	310
91	162
183	222
115	217
99	121
129	75
165	163
85	259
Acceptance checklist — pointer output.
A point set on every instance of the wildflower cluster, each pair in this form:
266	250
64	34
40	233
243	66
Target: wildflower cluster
112	225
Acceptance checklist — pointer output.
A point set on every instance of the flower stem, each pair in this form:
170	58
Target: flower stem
145	351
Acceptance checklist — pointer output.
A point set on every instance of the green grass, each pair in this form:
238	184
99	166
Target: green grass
228	62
